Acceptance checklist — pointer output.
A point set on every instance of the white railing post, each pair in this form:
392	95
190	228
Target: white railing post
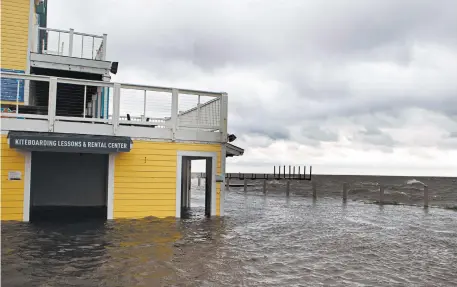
85	102
223	117
99	102
116	106
105	38
52	103
70	43
144	107
174	112
17	95
58	45
198	112
36	42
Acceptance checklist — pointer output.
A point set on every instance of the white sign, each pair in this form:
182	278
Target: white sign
14	175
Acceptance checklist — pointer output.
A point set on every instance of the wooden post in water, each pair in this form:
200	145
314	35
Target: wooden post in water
245	184
293	172
345	192
314	190
228	183
299	175
264	186
199	180
381	194
426	198
288	188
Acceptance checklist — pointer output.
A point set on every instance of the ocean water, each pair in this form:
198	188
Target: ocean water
263	241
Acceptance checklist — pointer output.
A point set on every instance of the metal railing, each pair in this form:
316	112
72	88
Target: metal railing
70	43
117	104
14	90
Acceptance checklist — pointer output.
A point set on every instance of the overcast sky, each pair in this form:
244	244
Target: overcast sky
350	87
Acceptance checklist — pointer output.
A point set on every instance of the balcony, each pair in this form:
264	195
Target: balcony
69	50
66	105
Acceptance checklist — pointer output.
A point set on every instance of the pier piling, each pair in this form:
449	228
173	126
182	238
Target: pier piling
199	180
381	194
264	186
288	188
345	192
245	184
426	197
314	190
228	183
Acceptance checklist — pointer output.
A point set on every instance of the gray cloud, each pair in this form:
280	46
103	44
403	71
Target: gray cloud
270	132
375	137
316	134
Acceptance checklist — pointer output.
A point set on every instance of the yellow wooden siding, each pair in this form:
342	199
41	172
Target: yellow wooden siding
145	178
14	34
12	192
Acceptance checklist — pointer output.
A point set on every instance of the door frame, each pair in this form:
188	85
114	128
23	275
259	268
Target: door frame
27	184
197	154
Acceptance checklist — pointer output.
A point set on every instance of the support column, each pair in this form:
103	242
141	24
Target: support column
189	182
105	98
208	187
185	202
223	186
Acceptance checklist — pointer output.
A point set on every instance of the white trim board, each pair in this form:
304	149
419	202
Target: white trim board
199	154
142	133
30	42
82	63
110	191
222	190
31	35
27	180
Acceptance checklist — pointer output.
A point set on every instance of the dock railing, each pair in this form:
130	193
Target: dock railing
69	43
123	105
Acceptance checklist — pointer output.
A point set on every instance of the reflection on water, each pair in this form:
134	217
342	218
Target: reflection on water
270	241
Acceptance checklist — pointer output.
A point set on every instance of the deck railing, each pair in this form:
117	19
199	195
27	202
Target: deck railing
70	43
119	104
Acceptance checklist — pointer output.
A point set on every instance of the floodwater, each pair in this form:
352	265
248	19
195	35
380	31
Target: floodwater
263	241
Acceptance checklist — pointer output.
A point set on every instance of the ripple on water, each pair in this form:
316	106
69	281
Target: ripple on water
262	242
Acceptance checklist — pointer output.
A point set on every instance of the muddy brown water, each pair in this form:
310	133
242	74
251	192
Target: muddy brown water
263	241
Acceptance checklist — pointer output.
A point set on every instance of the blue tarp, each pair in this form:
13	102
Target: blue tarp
9	87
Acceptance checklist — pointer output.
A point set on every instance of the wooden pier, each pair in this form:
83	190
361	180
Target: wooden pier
346	188
294	173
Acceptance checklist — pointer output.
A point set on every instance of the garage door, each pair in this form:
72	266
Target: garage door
68	180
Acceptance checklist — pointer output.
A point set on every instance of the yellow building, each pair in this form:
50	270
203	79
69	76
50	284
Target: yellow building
73	140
